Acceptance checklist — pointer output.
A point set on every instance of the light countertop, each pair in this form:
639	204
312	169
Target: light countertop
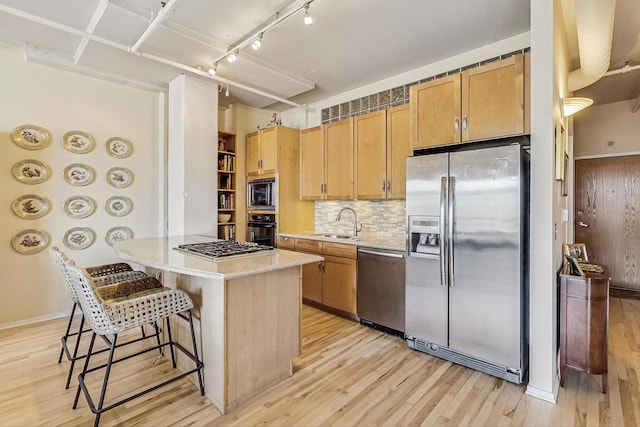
369	241
158	252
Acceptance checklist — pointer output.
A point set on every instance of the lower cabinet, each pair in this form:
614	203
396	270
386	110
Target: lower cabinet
331	282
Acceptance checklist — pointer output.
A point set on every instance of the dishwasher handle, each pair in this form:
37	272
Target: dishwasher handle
386	254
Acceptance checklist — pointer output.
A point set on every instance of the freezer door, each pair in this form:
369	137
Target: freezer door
426	298
485	318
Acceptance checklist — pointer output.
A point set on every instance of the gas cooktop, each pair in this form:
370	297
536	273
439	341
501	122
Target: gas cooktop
222	248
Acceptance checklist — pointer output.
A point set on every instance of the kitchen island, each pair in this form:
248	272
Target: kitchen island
246	312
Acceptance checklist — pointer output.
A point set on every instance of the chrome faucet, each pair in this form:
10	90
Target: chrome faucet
356	228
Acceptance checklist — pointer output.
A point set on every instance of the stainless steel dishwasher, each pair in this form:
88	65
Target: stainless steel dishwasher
381	289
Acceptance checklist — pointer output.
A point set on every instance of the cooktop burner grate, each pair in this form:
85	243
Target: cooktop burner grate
222	248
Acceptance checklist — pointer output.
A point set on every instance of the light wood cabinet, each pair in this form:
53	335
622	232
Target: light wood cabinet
332	282
479	103
333	180
263	148
381	147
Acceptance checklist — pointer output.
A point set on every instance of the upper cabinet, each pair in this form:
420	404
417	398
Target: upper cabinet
262	150
381	147
326	161
479	103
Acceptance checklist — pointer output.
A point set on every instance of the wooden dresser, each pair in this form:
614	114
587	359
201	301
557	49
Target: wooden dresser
584	324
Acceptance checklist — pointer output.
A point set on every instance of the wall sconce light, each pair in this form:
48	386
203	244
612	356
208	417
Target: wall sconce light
571	106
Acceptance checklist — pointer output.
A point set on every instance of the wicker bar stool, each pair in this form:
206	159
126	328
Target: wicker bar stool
102	275
123	306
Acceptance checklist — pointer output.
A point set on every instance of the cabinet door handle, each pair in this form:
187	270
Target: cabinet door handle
319	265
456	124
384	185
465	121
388	185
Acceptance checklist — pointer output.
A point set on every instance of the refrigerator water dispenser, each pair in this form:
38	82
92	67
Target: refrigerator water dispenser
425	236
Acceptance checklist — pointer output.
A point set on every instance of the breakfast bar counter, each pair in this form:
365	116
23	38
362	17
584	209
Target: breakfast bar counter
246	311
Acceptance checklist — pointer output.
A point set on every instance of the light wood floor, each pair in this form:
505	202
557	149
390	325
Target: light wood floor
347	375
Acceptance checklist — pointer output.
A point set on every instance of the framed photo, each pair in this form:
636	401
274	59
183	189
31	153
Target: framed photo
574	266
576	250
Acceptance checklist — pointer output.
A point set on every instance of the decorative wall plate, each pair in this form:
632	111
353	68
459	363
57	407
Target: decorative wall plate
79	174
31	171
117	234
28	242
79	238
78	142
119	177
119	148
31	206
79	206
118	206
31	137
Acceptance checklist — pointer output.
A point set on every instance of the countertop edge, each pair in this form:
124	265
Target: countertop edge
365	242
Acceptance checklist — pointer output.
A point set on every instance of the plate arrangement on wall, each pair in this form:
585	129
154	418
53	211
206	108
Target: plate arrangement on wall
31	171
78	142
29	242
79	174
31	206
119	177
79	238
31	137
79	206
118	147
118	234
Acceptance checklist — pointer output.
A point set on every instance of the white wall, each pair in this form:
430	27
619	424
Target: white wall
192	156
596	125
61	101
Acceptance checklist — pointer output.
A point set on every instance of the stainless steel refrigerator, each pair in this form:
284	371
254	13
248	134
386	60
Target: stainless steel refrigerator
467	258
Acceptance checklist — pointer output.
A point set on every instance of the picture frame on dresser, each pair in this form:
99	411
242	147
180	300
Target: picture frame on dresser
576	250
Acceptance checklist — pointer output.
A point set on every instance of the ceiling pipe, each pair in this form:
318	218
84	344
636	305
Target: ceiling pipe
153	26
91	27
126	48
623	70
594	23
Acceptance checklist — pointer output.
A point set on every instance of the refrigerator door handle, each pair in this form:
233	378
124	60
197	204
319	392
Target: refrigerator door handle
443	215
451	209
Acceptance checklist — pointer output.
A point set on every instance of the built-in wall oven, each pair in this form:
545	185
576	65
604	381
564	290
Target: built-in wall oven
261	229
261	194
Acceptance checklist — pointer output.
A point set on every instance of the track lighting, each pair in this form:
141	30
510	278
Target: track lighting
308	20
257	42
212	70
233	56
227	92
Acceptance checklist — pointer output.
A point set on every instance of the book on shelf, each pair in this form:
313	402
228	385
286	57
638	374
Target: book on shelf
226	162
227	232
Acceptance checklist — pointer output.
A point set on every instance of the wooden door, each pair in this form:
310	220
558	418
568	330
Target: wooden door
312	163
253	153
493	100
607	215
269	150
370	152
339	160
398	149
435	112
339	283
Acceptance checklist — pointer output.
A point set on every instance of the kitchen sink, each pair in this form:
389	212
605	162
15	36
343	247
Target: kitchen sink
336	236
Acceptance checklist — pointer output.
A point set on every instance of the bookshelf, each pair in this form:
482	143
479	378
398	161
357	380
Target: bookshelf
227	185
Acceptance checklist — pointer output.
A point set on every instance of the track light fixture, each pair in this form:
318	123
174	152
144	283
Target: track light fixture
212	70
227	92
308	20
233	56
257	42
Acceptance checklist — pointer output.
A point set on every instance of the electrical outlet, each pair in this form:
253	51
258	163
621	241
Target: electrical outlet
609	143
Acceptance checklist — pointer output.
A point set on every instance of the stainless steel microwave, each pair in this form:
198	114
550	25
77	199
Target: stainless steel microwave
261	194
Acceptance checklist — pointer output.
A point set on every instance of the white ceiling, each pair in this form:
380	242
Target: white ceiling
351	42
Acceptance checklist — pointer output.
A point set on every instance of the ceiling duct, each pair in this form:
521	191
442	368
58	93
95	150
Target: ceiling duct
594	23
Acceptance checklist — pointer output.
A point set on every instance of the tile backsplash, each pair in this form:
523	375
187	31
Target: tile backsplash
380	218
